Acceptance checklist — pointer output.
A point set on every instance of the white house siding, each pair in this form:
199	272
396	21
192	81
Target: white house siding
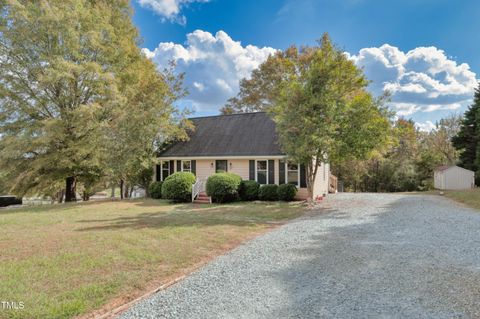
454	178
206	168
320	185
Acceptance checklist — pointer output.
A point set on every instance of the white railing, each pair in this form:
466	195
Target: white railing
197	188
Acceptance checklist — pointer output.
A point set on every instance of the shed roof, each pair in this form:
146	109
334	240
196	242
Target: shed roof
442	168
445	167
244	134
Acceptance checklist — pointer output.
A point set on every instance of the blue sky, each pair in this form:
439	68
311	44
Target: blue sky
425	52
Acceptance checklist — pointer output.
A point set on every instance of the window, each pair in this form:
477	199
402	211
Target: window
262	172
186	166
293	174
165	169
220	166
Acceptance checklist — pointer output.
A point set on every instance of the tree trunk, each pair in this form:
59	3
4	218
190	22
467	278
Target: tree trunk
126	193
121	188
131	192
70	189
86	196
113	191
60	195
310	174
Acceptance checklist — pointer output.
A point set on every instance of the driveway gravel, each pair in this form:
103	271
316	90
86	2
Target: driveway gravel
358	256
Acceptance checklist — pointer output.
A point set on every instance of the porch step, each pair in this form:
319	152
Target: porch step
202	198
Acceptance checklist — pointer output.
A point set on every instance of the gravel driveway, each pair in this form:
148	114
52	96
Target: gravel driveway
360	256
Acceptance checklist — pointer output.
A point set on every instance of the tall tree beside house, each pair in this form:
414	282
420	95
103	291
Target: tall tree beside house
322	109
70	74
467	141
143	123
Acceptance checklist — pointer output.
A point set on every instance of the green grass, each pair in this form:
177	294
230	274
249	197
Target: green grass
67	260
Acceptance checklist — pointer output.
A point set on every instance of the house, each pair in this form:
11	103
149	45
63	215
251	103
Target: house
453	177
245	144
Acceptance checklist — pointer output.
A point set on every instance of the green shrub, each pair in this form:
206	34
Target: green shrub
287	192
178	187
223	187
248	190
155	190
268	192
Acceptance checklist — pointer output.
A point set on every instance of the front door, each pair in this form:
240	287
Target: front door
221	166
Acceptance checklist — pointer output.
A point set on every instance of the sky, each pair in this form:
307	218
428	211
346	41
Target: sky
424	52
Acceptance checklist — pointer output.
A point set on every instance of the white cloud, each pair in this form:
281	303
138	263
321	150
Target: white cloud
213	65
426	126
421	80
168	9
424	82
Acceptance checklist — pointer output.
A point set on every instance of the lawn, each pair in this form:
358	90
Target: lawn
69	260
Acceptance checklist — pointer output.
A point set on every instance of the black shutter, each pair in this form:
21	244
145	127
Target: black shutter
303	176
194	167
271	172
251	171
171	167
157	173
179	166
281	172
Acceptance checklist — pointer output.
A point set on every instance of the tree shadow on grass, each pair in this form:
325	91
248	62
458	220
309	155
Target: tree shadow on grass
39	209
181	215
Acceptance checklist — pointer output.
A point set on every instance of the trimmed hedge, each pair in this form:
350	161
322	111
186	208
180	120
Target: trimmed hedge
223	187
178	187
249	190
268	192
9	200
155	190
287	192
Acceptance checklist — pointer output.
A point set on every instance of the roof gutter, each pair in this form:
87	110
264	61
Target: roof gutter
166	158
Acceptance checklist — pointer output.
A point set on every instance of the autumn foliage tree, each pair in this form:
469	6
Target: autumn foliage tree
319	101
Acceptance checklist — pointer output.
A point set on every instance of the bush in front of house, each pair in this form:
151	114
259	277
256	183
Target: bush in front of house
155	190
223	187
268	192
248	190
287	192
178	187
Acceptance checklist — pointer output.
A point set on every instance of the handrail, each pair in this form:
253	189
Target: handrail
196	188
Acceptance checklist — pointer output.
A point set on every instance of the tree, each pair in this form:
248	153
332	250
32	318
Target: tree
72	81
145	122
323	111
439	140
467	141
259	91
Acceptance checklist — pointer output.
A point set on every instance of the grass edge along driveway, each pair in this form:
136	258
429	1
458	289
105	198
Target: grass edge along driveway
68	260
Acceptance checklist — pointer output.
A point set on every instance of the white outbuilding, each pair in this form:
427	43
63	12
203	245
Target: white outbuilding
453	177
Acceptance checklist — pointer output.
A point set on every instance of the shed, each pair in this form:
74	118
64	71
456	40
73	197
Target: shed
453	177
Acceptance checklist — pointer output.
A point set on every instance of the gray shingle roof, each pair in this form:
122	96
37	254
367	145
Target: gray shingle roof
246	134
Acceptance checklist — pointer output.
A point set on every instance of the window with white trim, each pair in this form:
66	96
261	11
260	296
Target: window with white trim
293	174
262	172
165	169
187	166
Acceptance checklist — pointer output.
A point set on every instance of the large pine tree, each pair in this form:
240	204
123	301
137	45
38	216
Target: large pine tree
468	138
